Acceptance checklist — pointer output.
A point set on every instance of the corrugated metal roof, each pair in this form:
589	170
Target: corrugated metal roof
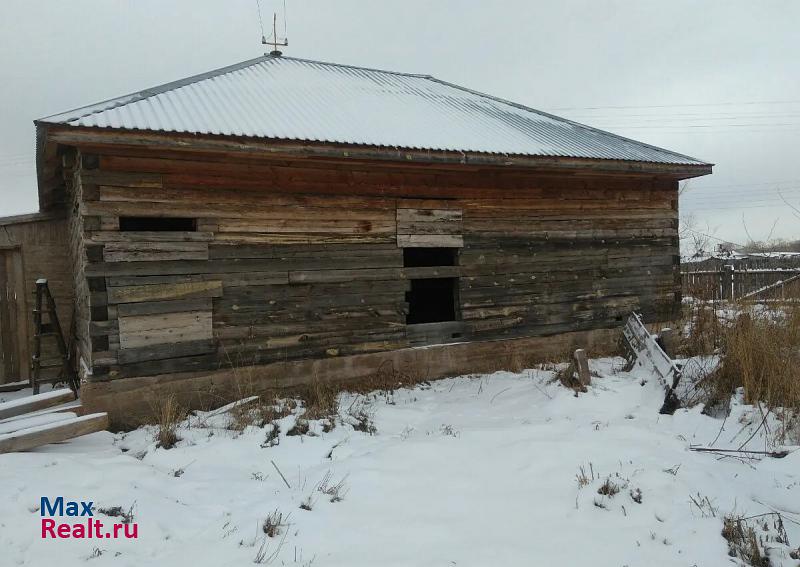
296	99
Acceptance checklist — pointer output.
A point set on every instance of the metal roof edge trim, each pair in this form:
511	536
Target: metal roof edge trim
122	100
562	119
38	216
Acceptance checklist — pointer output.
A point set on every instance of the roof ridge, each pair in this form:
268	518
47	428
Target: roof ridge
375	69
102	106
562	119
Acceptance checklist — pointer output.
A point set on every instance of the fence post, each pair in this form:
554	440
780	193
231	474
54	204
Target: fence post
730	269
582	366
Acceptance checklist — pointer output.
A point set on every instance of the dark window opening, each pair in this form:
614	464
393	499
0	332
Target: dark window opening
157	224
431	300
429	257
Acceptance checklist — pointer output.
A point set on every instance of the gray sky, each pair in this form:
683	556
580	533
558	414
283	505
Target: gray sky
717	79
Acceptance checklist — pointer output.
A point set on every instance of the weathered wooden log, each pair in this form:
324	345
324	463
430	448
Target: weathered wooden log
582	367
34	403
32	437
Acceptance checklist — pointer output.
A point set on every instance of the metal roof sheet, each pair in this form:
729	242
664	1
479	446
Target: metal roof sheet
296	99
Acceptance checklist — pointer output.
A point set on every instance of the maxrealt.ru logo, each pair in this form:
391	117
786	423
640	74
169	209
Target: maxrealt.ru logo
87	527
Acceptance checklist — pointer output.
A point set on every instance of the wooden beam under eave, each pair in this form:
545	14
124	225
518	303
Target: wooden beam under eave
289	150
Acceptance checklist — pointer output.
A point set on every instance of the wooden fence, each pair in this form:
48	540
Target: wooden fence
731	282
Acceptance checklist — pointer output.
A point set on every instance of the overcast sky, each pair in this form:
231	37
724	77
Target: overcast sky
717	79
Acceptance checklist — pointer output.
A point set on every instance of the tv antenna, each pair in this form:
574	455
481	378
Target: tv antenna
276	41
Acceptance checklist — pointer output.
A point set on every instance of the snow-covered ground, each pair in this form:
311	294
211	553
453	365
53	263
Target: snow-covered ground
500	469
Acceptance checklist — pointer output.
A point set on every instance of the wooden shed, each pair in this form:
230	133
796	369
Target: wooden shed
303	220
30	246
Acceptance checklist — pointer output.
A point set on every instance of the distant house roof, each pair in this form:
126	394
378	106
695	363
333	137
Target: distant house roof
284	98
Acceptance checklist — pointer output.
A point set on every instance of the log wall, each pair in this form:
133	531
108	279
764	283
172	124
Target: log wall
304	259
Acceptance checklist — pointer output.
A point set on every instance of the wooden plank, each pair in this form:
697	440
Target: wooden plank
26	421
30	438
582	367
309	226
14	386
254	278
423	228
154	251
156	307
267	201
74	406
139	180
35	403
449	216
148	330
305	238
438	204
331	276
167	366
253	212
164	351
149	236
161	292
432	272
430	241
436	333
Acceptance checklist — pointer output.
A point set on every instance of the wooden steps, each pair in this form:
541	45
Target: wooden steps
32	437
35	403
41	419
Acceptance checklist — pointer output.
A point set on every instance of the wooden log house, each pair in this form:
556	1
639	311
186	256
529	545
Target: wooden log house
301	220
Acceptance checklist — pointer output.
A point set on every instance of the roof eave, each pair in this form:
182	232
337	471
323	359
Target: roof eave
92	136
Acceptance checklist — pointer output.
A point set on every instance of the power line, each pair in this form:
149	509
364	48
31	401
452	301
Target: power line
750	195
688	115
700	104
754	125
749	184
736	208
260	20
712	237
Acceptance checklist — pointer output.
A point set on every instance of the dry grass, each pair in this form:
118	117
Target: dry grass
319	399
273	523
761	353
705	330
167	415
583	478
335	490
300	427
260	413
388	378
608	488
747	537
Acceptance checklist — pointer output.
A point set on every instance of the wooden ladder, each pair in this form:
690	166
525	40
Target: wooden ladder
46	306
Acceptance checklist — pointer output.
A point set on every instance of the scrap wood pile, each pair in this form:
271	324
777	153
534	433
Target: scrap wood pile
647	350
40	419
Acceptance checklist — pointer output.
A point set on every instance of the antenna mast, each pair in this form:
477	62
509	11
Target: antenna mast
276	41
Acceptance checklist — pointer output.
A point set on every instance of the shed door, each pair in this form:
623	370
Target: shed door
13	308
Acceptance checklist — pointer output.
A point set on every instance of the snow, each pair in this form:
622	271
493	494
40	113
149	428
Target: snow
479	470
19	401
33	421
